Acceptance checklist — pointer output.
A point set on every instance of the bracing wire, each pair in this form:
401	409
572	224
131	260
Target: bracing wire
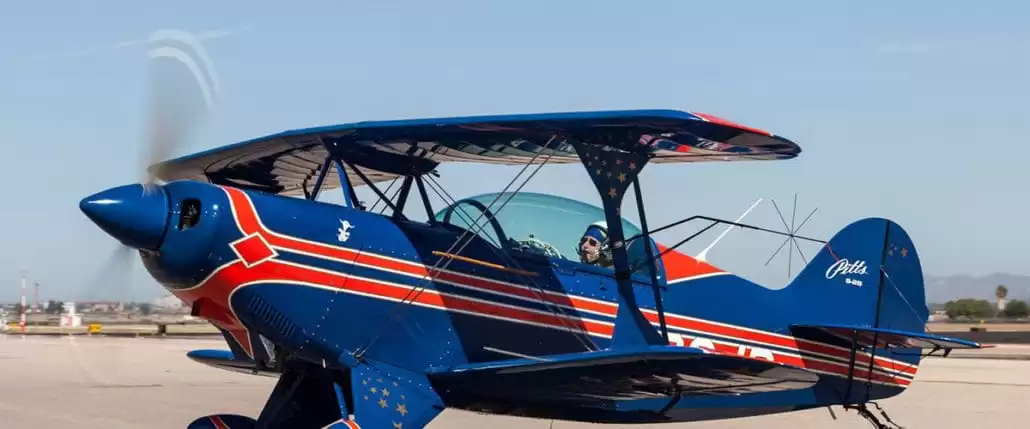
431	273
472	232
909	304
379	200
536	288
447	261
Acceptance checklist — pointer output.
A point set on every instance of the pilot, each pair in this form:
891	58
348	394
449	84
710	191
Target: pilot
593	245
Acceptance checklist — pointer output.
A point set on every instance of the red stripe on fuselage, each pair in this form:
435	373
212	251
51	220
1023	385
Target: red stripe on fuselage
222	284
214	310
249	223
787	342
823	366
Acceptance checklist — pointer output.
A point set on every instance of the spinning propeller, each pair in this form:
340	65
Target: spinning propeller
136	214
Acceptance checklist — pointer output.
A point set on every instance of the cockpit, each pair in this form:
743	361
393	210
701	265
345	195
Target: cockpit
554	227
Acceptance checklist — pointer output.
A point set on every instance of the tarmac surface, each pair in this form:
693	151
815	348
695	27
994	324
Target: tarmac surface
97	382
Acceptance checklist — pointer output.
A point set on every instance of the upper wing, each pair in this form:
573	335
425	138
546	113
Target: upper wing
289	162
596	377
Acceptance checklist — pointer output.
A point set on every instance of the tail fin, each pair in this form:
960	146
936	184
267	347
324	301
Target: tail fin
864	292
867	275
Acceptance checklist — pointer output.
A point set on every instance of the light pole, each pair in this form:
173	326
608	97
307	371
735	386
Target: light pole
24	274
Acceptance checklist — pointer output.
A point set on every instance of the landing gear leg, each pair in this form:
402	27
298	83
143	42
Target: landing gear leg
306	396
863	411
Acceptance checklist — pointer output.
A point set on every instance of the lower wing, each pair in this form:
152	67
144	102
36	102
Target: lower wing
617	375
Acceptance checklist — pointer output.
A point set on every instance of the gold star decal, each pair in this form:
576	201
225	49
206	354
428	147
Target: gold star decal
904	252
622	177
402	409
396	425
386	392
366	397
604	163
374	390
365	382
632	165
382	403
612	193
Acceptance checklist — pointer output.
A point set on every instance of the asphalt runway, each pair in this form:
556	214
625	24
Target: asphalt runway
149	383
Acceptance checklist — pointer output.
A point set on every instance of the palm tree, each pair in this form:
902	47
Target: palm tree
1001	292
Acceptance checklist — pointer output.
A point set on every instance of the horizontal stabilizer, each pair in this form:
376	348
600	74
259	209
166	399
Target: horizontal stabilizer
619	374
224	359
868	337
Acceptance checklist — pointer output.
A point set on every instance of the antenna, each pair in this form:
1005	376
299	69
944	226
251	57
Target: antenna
791	232
704	253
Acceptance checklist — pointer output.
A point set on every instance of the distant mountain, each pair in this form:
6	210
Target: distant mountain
942	289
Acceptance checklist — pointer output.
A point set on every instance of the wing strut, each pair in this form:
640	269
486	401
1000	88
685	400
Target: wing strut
375	189
317	188
612	170
349	197
651	268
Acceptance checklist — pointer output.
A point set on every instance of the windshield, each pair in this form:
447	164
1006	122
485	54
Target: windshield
536	223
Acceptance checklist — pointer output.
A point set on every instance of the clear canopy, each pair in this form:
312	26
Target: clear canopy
536	223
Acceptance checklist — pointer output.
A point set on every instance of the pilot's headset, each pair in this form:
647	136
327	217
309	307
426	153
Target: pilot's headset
598	231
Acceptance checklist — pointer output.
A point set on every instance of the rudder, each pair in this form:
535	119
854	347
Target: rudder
867	275
864	292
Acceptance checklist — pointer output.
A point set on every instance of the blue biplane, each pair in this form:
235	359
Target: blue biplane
509	303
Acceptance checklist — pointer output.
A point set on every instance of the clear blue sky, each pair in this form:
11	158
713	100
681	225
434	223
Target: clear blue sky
916	111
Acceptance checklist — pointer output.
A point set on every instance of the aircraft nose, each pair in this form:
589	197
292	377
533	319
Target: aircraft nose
134	215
